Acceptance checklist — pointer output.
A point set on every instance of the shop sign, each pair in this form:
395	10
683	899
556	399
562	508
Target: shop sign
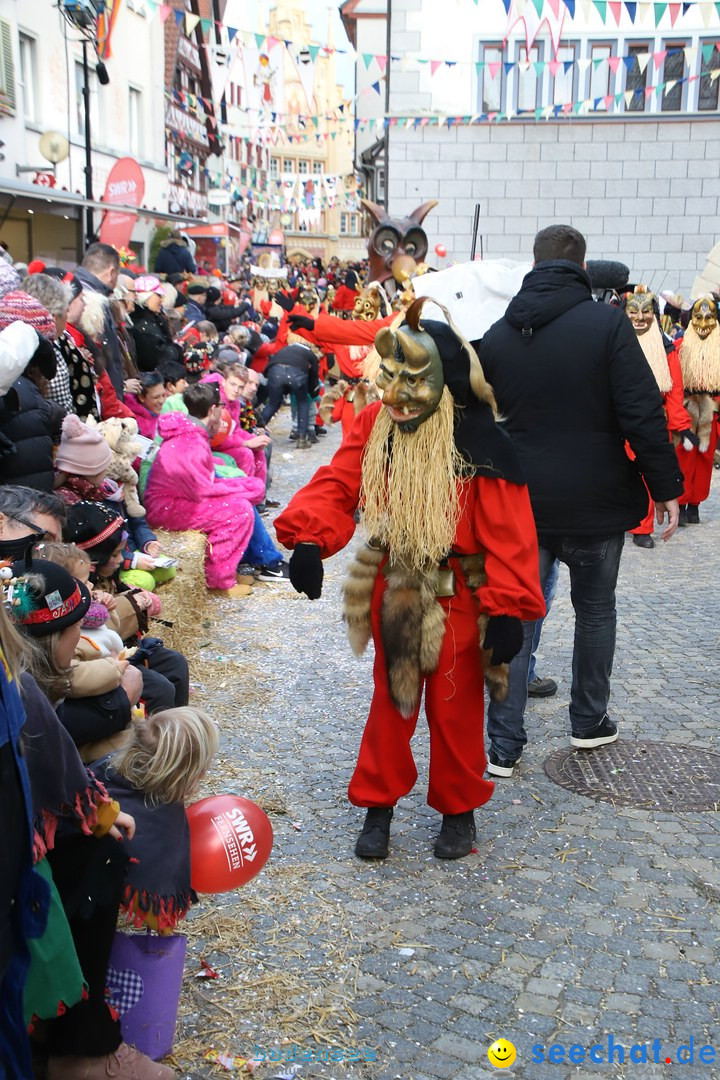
125	187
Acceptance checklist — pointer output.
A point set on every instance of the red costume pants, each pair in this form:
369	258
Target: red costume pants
697	470
454	704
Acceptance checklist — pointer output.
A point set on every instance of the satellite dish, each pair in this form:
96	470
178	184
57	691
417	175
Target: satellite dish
54	147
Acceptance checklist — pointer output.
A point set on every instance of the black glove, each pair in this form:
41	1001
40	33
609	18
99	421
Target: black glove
690	436
306	570
504	635
300	322
284	301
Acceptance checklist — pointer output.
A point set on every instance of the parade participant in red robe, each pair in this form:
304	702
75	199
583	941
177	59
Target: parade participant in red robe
700	362
642	309
449	570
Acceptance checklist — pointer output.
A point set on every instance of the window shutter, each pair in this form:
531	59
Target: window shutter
7	71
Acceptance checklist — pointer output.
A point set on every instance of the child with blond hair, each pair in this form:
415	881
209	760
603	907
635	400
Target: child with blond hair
160	767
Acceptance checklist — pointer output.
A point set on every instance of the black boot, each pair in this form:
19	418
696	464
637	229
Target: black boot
693	514
374	840
456	837
683	517
643	540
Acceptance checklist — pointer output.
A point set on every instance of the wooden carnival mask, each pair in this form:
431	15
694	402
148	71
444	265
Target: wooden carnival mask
396	245
410	375
640	310
704	316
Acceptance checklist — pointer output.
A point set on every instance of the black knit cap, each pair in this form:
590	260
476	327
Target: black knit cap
66	277
61	601
93	527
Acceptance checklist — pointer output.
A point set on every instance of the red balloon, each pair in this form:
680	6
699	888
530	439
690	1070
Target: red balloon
441	250
230	842
225	429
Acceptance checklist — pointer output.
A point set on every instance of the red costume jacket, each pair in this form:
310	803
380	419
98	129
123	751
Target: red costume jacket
497	520
349	339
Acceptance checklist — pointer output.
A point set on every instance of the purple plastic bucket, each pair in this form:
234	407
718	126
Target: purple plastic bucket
144	979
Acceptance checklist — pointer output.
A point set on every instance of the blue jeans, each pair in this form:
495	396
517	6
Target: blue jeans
261	551
593	563
283	379
549	593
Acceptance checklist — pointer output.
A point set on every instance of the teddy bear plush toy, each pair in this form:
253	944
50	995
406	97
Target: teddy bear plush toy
120	434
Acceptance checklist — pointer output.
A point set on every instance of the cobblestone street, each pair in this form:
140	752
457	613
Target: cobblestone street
575	918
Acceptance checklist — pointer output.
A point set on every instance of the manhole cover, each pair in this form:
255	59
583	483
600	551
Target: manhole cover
646	775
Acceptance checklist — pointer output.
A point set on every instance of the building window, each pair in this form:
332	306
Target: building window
600	75
636	76
274	168
288	165
135	121
380	184
708	86
490	90
673	71
7	70
28	76
317	168
80	100
564	81
527	89
349	224
303	168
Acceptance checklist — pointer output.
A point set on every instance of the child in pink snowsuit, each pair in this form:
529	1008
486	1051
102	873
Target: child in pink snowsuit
183	492
246	449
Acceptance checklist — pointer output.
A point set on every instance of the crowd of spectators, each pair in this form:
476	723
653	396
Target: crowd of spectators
129	403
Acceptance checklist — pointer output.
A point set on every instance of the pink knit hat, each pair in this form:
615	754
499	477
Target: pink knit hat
82	451
95	617
19	307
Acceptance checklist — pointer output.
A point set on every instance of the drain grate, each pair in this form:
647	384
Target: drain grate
645	775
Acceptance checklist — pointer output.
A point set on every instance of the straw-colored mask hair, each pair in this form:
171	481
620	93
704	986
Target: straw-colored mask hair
640	309
412	479
700	353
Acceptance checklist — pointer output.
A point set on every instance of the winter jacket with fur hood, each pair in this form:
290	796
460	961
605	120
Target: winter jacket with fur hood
573	384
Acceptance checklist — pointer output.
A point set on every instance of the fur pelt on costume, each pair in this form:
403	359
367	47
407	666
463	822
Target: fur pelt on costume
330	399
701	409
364	394
120	434
412	623
357	594
412	627
496	675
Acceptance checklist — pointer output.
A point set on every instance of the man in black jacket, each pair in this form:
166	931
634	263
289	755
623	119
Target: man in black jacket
174	256
293	369
573	385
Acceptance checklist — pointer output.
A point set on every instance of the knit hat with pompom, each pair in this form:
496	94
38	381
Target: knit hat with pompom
97	615
82	451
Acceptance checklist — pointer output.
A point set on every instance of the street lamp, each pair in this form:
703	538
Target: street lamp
83	15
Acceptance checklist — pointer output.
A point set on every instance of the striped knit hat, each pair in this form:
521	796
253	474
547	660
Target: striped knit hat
19	307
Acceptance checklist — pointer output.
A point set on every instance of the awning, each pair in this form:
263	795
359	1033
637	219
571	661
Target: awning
18	191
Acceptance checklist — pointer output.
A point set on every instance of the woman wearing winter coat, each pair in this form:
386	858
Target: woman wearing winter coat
150	330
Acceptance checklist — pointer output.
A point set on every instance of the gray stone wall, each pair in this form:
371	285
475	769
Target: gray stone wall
646	192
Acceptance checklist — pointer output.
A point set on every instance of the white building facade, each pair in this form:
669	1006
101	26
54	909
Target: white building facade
613	129
41	83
